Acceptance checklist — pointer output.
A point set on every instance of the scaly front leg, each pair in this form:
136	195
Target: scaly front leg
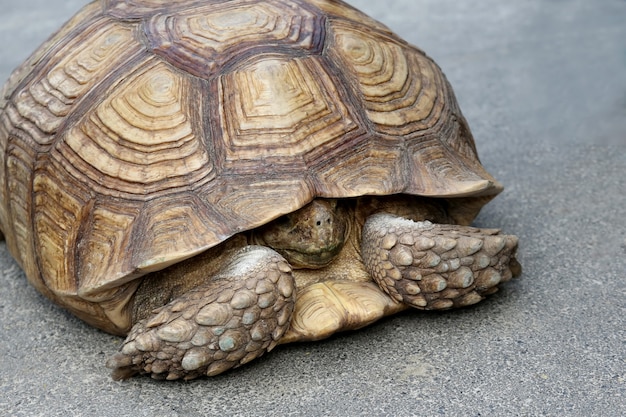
436	266
233	318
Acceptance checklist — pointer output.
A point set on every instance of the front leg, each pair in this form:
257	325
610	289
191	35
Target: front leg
436	266
228	321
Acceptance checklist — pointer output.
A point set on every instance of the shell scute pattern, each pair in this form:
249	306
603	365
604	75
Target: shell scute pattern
141	137
173	127
207	39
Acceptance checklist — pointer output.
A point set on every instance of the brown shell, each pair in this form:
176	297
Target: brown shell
146	131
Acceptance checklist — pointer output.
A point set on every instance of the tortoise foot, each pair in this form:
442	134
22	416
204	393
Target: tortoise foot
234	318
436	266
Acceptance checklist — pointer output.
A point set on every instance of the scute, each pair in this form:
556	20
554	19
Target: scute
179	228
280	110
377	169
204	40
133	10
105	244
253	200
59	207
79	22
52	94
342	11
141	138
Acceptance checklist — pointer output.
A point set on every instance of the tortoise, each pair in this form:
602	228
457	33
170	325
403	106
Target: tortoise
213	178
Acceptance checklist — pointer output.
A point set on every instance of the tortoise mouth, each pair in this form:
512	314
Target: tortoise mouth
312	258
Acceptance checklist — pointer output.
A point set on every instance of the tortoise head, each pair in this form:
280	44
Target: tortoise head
310	237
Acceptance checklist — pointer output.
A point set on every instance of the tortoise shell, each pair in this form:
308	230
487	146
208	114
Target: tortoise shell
146	131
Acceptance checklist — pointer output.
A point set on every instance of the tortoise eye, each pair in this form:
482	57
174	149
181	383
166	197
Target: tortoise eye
283	220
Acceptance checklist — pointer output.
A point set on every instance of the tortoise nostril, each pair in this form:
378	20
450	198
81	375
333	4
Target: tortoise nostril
327	221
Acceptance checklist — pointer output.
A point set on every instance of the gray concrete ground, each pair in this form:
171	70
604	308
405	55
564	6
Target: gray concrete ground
543	84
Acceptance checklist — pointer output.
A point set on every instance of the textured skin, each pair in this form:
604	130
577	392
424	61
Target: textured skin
222	324
145	142
434	267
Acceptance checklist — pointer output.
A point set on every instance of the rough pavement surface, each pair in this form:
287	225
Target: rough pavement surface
543	85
